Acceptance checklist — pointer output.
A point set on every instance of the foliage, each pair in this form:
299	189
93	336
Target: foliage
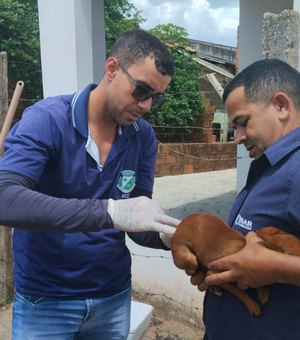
184	105
170	33
19	37
119	16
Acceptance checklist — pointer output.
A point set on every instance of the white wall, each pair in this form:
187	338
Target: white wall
155	273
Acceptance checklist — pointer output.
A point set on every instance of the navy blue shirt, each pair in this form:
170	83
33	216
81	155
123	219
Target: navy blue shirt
270	197
48	146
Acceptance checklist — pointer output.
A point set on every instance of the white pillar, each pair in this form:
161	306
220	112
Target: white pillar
72	44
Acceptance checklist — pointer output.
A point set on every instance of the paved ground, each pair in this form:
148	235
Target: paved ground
181	195
178	196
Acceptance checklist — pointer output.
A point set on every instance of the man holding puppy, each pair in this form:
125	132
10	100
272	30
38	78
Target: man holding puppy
263	104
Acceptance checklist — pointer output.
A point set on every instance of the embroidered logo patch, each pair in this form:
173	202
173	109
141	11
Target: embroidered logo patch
243	223
126	182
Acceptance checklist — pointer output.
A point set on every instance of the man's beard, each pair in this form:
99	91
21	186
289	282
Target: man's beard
112	113
119	117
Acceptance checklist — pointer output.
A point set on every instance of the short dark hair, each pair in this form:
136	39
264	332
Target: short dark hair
262	79
136	45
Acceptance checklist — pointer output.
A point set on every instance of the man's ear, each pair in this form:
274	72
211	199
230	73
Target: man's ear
283	105
111	67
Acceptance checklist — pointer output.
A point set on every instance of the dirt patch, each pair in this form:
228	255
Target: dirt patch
5	322
162	328
171	320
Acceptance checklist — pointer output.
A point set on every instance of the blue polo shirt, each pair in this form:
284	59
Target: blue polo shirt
270	197
50	145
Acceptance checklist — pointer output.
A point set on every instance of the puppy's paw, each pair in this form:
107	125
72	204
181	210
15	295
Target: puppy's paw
263	294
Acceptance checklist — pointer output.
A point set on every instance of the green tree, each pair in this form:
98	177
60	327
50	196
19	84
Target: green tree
19	37
184	105
119	16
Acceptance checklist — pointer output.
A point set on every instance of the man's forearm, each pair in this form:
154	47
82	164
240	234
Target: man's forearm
21	207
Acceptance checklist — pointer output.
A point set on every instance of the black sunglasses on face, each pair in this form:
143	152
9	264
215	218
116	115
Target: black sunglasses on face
142	92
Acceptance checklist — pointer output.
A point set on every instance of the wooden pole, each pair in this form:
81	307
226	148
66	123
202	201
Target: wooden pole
6	257
3	87
10	113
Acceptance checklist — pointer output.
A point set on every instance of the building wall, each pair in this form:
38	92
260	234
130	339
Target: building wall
188	158
214	52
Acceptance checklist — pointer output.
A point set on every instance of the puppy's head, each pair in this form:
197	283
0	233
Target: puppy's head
279	240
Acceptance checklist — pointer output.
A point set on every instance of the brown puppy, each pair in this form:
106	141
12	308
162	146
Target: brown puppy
278	240
209	238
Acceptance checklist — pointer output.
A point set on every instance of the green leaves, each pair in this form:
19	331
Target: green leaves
184	105
19	37
170	33
120	16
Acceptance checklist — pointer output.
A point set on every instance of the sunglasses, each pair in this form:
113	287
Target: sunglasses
142	92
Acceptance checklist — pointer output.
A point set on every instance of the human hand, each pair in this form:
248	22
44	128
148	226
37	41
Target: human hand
140	214
198	279
253	266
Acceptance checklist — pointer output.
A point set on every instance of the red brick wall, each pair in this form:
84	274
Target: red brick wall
187	158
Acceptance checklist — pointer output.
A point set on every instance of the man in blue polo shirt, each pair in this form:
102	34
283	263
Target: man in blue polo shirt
78	171
263	104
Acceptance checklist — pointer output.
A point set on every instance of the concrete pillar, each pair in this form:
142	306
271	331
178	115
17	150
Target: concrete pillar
72	44
280	36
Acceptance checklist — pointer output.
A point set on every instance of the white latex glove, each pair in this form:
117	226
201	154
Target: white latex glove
140	214
166	238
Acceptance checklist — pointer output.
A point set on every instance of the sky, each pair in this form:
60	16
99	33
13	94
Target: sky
214	21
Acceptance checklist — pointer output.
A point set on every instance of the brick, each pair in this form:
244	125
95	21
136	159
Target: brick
161	158
196	157
188	169
163	148
163	170
175	169
171	159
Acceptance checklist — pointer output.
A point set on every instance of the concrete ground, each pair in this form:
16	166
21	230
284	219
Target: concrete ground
178	196
182	195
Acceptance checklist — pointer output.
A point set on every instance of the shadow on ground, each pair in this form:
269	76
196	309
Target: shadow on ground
220	205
